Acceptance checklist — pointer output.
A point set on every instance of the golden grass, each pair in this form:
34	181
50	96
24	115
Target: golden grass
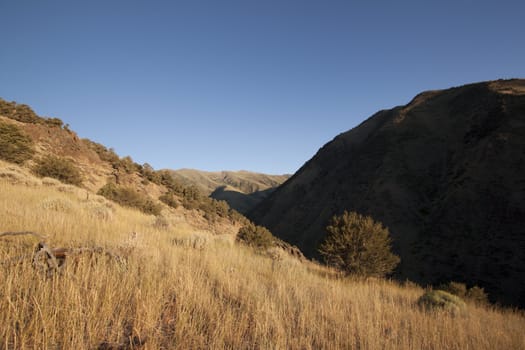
171	295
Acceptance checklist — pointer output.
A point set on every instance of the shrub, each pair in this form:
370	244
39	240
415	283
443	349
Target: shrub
474	294
54	122
169	199
220	207
193	199
255	236
127	165
478	296
150	174
440	299
235	216
20	112
213	208
165	178
456	288
15	146
129	198
58	168
107	155
358	246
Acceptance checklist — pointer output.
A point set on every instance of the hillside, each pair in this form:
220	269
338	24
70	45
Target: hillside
101	170
131	283
242	190
445	173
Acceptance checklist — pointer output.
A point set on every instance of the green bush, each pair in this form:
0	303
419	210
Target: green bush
474	294
358	246
456	288
58	168
130	198
15	146
255	236
440	299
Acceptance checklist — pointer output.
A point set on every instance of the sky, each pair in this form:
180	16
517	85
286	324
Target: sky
254	85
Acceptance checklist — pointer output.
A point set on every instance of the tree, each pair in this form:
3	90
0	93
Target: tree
358	246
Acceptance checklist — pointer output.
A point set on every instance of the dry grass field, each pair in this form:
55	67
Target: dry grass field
175	288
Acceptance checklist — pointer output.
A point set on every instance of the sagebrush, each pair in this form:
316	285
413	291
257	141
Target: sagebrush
58	168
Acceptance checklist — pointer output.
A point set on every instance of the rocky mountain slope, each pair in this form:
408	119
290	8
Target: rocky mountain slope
242	190
445	173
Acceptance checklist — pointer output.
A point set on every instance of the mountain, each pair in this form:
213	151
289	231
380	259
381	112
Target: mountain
445	173
242	190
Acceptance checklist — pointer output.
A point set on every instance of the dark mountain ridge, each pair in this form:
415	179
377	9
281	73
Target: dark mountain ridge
445	173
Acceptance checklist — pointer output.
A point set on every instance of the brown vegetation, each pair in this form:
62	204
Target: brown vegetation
170	296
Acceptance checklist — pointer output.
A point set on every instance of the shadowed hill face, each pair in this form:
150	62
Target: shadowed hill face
445	173
242	190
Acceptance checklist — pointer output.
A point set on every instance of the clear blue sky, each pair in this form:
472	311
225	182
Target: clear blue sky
256	85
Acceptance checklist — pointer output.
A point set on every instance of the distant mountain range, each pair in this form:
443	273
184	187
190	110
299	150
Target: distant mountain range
445	173
242	190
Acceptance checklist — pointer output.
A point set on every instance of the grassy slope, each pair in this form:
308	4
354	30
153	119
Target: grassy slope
220	296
